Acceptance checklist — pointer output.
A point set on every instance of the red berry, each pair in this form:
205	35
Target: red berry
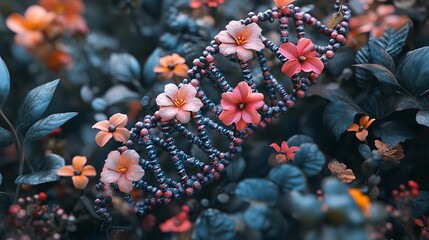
43	196
14	209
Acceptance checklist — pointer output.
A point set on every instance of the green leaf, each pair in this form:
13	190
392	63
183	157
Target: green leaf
6	137
46	171
4	83
44	126
384	76
35	104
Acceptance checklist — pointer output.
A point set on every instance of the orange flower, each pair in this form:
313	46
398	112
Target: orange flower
68	13
28	28
285	153
114	127
361	200
283	3
78	172
171	65
57	59
394	154
341	171
361	132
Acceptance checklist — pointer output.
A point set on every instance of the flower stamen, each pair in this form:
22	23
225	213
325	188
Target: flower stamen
179	102
240	40
302	58
121	169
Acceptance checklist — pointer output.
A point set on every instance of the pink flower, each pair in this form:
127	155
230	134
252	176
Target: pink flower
179	103
285	153
302	57
112	128
240	106
122	169
240	39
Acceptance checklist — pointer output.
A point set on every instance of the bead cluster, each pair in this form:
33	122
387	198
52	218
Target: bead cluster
204	67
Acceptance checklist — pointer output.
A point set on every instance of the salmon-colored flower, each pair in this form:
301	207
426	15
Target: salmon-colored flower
361	200
361	129
341	171
171	65
388	153
240	39
68	13
114	127
122	169
177	224
283	3
285	153
301	57
28	28
78	171
240	106
179	103
58	59
209	3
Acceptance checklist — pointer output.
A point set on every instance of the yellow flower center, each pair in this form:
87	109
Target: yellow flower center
179	102
240	40
302	58
121	169
59	10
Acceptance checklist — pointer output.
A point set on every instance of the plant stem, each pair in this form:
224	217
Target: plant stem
20	153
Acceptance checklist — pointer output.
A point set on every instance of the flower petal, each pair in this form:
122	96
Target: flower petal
171	90
109	176
80	182
362	135
102	138
66	171
294	149
363	120
224	37
281	158
244	54
367	124
234	28
250	32
177	59
134	173
125	185
285	146
230	101
240	125
165	61
313	64
79	162
163	100
181	70
253	44
187	91
250	116
254	101
131	156
161	69
192	105
353	128
305	47
167	113
183	116
121	134
291	67
166	75
228	117
118	120
15	22
289	51
102	125
241	91
228	49
276	147
89	171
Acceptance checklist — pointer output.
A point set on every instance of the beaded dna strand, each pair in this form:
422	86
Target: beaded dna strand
149	143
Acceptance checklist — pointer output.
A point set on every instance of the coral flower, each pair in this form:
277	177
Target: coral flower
177	224
114	127
285	153
30	26
240	106
361	132
68	12
78	172
302	57
209	3
122	169
283	3
361	200
240	39
179	103
171	65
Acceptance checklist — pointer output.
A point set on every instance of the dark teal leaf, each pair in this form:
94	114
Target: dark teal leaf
384	76
365	151
6	137
1	179
5	202
339	116
255	189
394	41
255	217
288	178
4	83
236	169
124	67
414	71
306	208
331	91
420	204
381	57
46	171
363	77
309	159
213	224
297	140
35	104
422	117
394	132
46	125
267	220
149	76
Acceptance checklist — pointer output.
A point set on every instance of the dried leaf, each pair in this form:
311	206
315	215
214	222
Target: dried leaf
394	154
335	20
341	172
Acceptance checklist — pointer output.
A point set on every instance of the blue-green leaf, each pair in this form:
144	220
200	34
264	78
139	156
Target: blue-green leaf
46	125
384	76
414	71
124	67
4	83
35	104
394	132
6	137
256	189
339	116
288	178
381	57
309	159
213	224
422	117
297	140
46	171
